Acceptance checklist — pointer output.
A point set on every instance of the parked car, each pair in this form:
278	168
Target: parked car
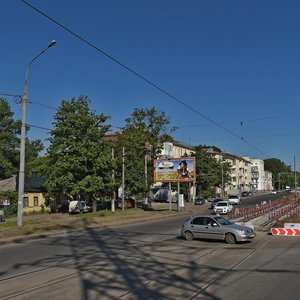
234	199
217	228
274	192
102	205
212	198
223	207
245	194
214	202
200	201
79	207
128	203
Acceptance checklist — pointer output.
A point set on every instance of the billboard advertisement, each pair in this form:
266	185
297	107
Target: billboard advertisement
175	170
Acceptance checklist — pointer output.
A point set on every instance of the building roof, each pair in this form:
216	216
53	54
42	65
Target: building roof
32	183
9	184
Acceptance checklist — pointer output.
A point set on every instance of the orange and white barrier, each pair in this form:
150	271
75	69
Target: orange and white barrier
286	231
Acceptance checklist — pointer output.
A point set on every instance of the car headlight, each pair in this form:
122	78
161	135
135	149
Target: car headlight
242	231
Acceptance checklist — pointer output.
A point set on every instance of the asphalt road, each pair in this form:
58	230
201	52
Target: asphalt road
148	261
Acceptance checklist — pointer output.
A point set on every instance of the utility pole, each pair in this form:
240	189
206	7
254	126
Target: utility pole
295	177
146	178
123	178
23	138
222	180
170	196
113	180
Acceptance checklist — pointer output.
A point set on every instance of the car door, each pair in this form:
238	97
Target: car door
197	227
212	229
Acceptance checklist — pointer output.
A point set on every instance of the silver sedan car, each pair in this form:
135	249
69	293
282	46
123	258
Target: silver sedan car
217	228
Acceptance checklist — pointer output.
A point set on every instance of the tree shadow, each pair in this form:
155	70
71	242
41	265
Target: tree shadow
113	263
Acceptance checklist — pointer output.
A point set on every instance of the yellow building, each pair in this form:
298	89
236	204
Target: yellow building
34	192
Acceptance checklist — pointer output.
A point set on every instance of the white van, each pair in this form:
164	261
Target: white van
234	199
78	207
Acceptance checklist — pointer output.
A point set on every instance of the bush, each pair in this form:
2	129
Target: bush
12	196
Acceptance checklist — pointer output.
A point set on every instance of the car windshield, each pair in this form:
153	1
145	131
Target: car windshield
223	221
234	197
221	204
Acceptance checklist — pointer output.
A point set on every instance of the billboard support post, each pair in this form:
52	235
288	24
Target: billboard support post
170	197
178	193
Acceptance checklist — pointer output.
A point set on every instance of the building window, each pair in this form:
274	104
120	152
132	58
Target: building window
35	201
25	202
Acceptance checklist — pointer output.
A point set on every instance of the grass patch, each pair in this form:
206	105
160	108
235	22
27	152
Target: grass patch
292	219
43	223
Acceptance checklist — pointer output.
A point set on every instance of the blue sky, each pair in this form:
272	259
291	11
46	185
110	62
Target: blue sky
235	62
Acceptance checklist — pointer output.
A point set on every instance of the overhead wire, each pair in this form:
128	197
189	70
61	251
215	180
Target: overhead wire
84	40
179	126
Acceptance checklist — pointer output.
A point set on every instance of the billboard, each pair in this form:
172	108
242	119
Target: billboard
175	169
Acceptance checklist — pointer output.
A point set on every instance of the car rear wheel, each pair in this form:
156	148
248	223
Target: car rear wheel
188	235
230	238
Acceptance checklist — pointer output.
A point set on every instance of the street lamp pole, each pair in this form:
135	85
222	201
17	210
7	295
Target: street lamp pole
23	137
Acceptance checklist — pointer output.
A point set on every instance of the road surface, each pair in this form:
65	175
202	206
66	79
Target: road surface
148	261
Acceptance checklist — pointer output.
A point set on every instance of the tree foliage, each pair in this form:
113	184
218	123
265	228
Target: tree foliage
79	162
142	138
276	167
9	142
209	171
32	158
12	197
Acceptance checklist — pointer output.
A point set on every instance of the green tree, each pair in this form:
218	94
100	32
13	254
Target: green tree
279	168
209	171
79	162
9	142
143	136
154	125
12	197
32	158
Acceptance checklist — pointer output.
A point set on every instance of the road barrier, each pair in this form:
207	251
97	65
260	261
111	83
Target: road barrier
285	231
275	210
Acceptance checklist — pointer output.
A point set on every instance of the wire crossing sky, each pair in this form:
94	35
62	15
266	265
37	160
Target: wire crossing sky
234	64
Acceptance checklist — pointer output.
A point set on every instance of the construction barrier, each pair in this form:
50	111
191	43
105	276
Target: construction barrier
285	231
275	210
291	225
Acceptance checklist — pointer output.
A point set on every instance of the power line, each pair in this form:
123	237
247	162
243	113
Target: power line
39	127
49	129
41	104
141	77
17	98
244	121
272	117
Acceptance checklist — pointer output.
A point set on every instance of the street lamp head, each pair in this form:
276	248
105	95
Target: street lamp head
52	43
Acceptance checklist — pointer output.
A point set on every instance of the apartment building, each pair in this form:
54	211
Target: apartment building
240	172
247	174
176	150
262	180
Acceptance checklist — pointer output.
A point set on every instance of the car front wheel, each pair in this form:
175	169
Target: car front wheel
188	235
230	238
